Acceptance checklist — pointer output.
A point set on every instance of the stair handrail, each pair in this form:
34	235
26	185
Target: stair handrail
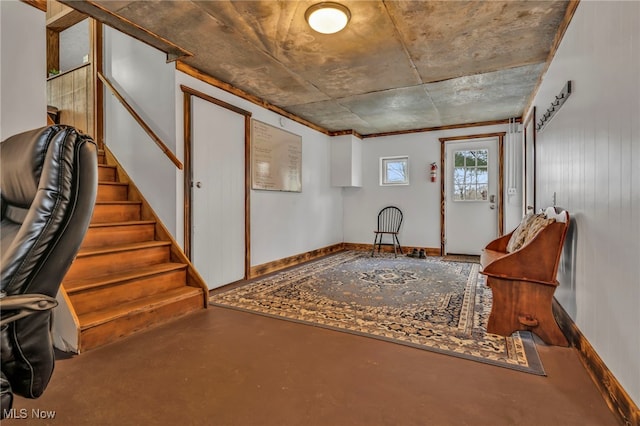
165	149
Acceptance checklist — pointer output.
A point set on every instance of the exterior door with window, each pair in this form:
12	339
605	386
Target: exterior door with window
471	195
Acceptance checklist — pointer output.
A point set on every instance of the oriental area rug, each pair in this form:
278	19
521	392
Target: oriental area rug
431	304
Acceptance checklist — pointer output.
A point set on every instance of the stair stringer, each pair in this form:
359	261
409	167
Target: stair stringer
65	327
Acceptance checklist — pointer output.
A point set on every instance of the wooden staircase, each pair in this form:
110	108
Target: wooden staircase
129	274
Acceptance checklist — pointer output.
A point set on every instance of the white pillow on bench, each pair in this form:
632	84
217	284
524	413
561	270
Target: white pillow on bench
561	217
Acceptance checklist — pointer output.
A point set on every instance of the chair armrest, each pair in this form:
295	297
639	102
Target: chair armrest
13	308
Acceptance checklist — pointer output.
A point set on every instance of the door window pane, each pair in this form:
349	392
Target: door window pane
471	175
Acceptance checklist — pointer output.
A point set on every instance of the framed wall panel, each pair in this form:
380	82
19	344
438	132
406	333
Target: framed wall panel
276	158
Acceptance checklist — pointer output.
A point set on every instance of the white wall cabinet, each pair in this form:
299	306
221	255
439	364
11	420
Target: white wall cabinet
346	161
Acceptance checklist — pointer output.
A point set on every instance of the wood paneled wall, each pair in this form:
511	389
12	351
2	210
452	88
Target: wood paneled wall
72	93
55	8
60	16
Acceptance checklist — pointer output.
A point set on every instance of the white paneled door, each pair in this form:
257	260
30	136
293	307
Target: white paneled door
218	234
471	195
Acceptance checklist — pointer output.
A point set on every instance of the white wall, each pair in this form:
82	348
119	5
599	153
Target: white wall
513	174
74	45
23	67
588	155
283	223
419	201
146	81
346	161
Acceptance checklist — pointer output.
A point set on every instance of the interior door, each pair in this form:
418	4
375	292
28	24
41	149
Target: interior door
471	195
218	218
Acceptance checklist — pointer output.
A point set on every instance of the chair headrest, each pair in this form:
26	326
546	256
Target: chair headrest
21	161
48	195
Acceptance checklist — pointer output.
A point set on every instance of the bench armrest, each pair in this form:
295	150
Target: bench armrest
536	261
500	244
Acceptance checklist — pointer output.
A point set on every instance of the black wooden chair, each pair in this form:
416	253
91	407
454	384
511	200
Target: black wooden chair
48	187
389	222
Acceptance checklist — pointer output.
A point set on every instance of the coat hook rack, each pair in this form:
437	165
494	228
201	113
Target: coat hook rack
557	103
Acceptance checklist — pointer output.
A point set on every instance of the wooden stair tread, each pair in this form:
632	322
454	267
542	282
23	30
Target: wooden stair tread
82	284
97	318
94	251
112	183
118	202
125	223
123	279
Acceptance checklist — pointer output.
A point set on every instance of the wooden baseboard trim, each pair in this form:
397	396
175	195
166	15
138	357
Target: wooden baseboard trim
276	265
433	251
287	262
613	393
389	249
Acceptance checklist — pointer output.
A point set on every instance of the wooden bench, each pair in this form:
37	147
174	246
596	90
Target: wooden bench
523	280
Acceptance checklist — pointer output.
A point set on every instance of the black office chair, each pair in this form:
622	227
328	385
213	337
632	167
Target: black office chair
48	187
389	222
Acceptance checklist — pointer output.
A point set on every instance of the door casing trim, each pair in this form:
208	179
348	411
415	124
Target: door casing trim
188	171
470	138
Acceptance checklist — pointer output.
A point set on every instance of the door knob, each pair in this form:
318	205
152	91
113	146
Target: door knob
198	184
492	206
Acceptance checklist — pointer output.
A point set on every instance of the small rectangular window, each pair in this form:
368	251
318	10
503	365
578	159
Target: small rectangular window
394	171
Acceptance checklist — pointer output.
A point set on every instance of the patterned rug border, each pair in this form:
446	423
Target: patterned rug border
461	258
523	339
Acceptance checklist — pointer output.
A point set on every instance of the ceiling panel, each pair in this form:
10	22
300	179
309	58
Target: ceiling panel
398	66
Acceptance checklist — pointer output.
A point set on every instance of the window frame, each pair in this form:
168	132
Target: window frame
384	177
475	182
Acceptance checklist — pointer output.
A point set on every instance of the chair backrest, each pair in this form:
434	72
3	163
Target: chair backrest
48	187
389	219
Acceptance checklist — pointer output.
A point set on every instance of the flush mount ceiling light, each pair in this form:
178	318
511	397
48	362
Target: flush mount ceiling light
327	17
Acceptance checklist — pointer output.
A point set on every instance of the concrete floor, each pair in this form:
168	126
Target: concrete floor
225	367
